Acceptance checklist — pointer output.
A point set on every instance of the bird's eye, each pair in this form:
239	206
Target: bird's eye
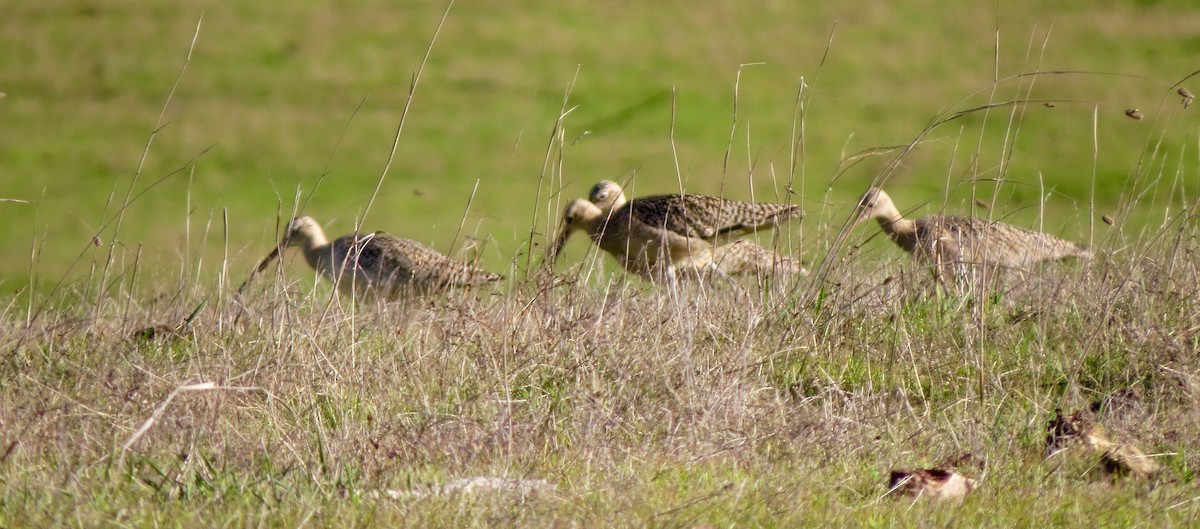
602	195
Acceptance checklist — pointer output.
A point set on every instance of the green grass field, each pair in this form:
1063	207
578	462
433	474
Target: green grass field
268	102
139	184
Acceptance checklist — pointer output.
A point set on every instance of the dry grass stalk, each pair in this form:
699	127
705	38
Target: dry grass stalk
474	485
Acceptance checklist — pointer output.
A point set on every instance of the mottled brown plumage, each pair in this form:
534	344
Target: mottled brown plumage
662	235
1116	457
739	257
742	257
703	217
697	216
377	263
930	483
965	240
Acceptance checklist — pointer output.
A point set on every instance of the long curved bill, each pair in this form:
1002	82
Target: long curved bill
559	242
859	216
262	265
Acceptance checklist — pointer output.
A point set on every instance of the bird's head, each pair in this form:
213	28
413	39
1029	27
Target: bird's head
607	195
576	216
301	230
876	204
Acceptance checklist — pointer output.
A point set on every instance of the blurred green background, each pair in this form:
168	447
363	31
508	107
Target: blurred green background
272	88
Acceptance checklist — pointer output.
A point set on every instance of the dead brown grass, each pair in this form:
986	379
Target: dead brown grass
630	395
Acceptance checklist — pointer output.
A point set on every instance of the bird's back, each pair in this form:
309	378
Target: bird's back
390	262
975	240
705	217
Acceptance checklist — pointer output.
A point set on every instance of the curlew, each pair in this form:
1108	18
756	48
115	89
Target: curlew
376	263
661	236
736	258
964	240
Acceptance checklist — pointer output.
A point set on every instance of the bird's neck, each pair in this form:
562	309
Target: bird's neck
897	226
316	251
598	226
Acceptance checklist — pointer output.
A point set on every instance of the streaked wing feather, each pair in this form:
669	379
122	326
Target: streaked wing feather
983	240
706	217
388	260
